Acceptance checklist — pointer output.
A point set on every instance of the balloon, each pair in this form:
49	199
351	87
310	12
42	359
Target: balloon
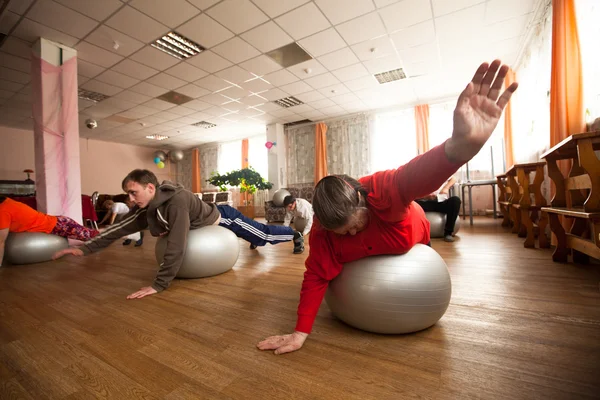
161	155
156	160
160	165
268	145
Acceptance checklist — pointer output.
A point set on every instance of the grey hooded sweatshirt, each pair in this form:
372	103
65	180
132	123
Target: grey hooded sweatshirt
173	212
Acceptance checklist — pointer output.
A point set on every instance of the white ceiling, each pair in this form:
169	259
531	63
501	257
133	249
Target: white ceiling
439	43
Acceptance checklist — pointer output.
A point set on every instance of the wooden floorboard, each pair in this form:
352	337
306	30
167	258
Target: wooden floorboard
519	326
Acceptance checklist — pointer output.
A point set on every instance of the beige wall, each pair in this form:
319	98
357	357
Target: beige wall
103	164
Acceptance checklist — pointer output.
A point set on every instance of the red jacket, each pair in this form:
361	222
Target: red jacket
396	224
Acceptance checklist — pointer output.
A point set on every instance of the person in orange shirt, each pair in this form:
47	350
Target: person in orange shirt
18	217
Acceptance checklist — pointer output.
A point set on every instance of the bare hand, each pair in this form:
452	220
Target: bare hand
478	111
143	292
71	250
284	343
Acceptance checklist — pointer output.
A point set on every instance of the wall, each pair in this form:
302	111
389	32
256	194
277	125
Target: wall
103	164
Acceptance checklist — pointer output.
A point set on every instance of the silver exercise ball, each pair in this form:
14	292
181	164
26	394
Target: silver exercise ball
161	155
392	293
176	155
211	250
32	247
299	224
279	196
437	221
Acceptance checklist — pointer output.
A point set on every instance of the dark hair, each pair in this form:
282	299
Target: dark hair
288	200
141	176
336	199
2	198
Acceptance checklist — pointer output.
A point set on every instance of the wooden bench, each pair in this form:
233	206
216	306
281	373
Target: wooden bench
532	218
504	198
577	197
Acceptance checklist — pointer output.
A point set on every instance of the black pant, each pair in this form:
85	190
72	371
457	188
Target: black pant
450	207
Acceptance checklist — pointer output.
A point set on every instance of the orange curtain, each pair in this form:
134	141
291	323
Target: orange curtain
508	134
422	123
196	185
245	153
320	151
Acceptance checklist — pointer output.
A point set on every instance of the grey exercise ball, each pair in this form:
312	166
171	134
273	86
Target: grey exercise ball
279	196
437	222
176	155
160	155
32	247
211	250
299	224
392	293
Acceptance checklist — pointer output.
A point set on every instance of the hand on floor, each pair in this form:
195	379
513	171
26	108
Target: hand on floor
143	292
283	343
71	250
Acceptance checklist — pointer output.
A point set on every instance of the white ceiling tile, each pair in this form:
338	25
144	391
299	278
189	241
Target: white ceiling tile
313	66
212	83
452	27
238	15
354	106
167	115
425	52
281	77
362	83
8	21
383	3
158	104
98	10
314	115
117	79
421	68
323	42
235	92
106	38
19	7
148	89
257	85
360	29
101	111
507	29
118	103
332	111
415	35
234	106
498	11
4	94
321	81
154	58
203	4
30	31
323	103
235	74
10	86
209	61
334	90
192	91
187	72
303	21
61	18
344	98
236	50
16	47
267	37
101	87
166	81
296	88
132	22
260	65
182	111
14	62
215	112
172	13
443	7
197	105
94	54
133	97
205	31
383	64
274	94
302	108
351	72
134	69
375	48
339	11
338	59
406	13
216	99
268	106
283	112
310	96
250	112
275	8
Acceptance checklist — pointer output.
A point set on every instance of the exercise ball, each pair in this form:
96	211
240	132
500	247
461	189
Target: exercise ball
32	247
161	155
176	155
392	293
210	250
437	222
279	196
299	224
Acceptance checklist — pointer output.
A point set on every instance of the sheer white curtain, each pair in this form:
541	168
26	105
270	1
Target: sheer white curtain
300	154
348	149
588	17
258	155
230	156
393	139
209	155
440	122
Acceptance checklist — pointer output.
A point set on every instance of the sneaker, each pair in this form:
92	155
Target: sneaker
448	238
126	242
141	241
298	249
298	243
253	246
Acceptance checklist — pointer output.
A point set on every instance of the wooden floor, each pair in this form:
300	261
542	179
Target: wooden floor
518	327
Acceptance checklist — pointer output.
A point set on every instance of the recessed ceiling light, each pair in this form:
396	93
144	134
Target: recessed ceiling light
288	102
175	98
177	45
91	96
157	137
390	76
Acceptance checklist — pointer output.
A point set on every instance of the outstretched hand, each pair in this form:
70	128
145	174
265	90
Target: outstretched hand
283	343
478	111
143	292
71	250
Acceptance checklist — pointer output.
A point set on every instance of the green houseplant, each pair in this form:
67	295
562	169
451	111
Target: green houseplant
247	179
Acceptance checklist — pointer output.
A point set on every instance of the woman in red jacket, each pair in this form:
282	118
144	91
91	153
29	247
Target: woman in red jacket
376	214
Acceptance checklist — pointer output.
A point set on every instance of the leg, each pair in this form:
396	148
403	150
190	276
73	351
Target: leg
70	229
561	252
528	224
542	222
452	207
254	232
470	206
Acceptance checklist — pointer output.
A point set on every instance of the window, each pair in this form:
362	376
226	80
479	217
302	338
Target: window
230	156
440	122
258	156
588	15
394	139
